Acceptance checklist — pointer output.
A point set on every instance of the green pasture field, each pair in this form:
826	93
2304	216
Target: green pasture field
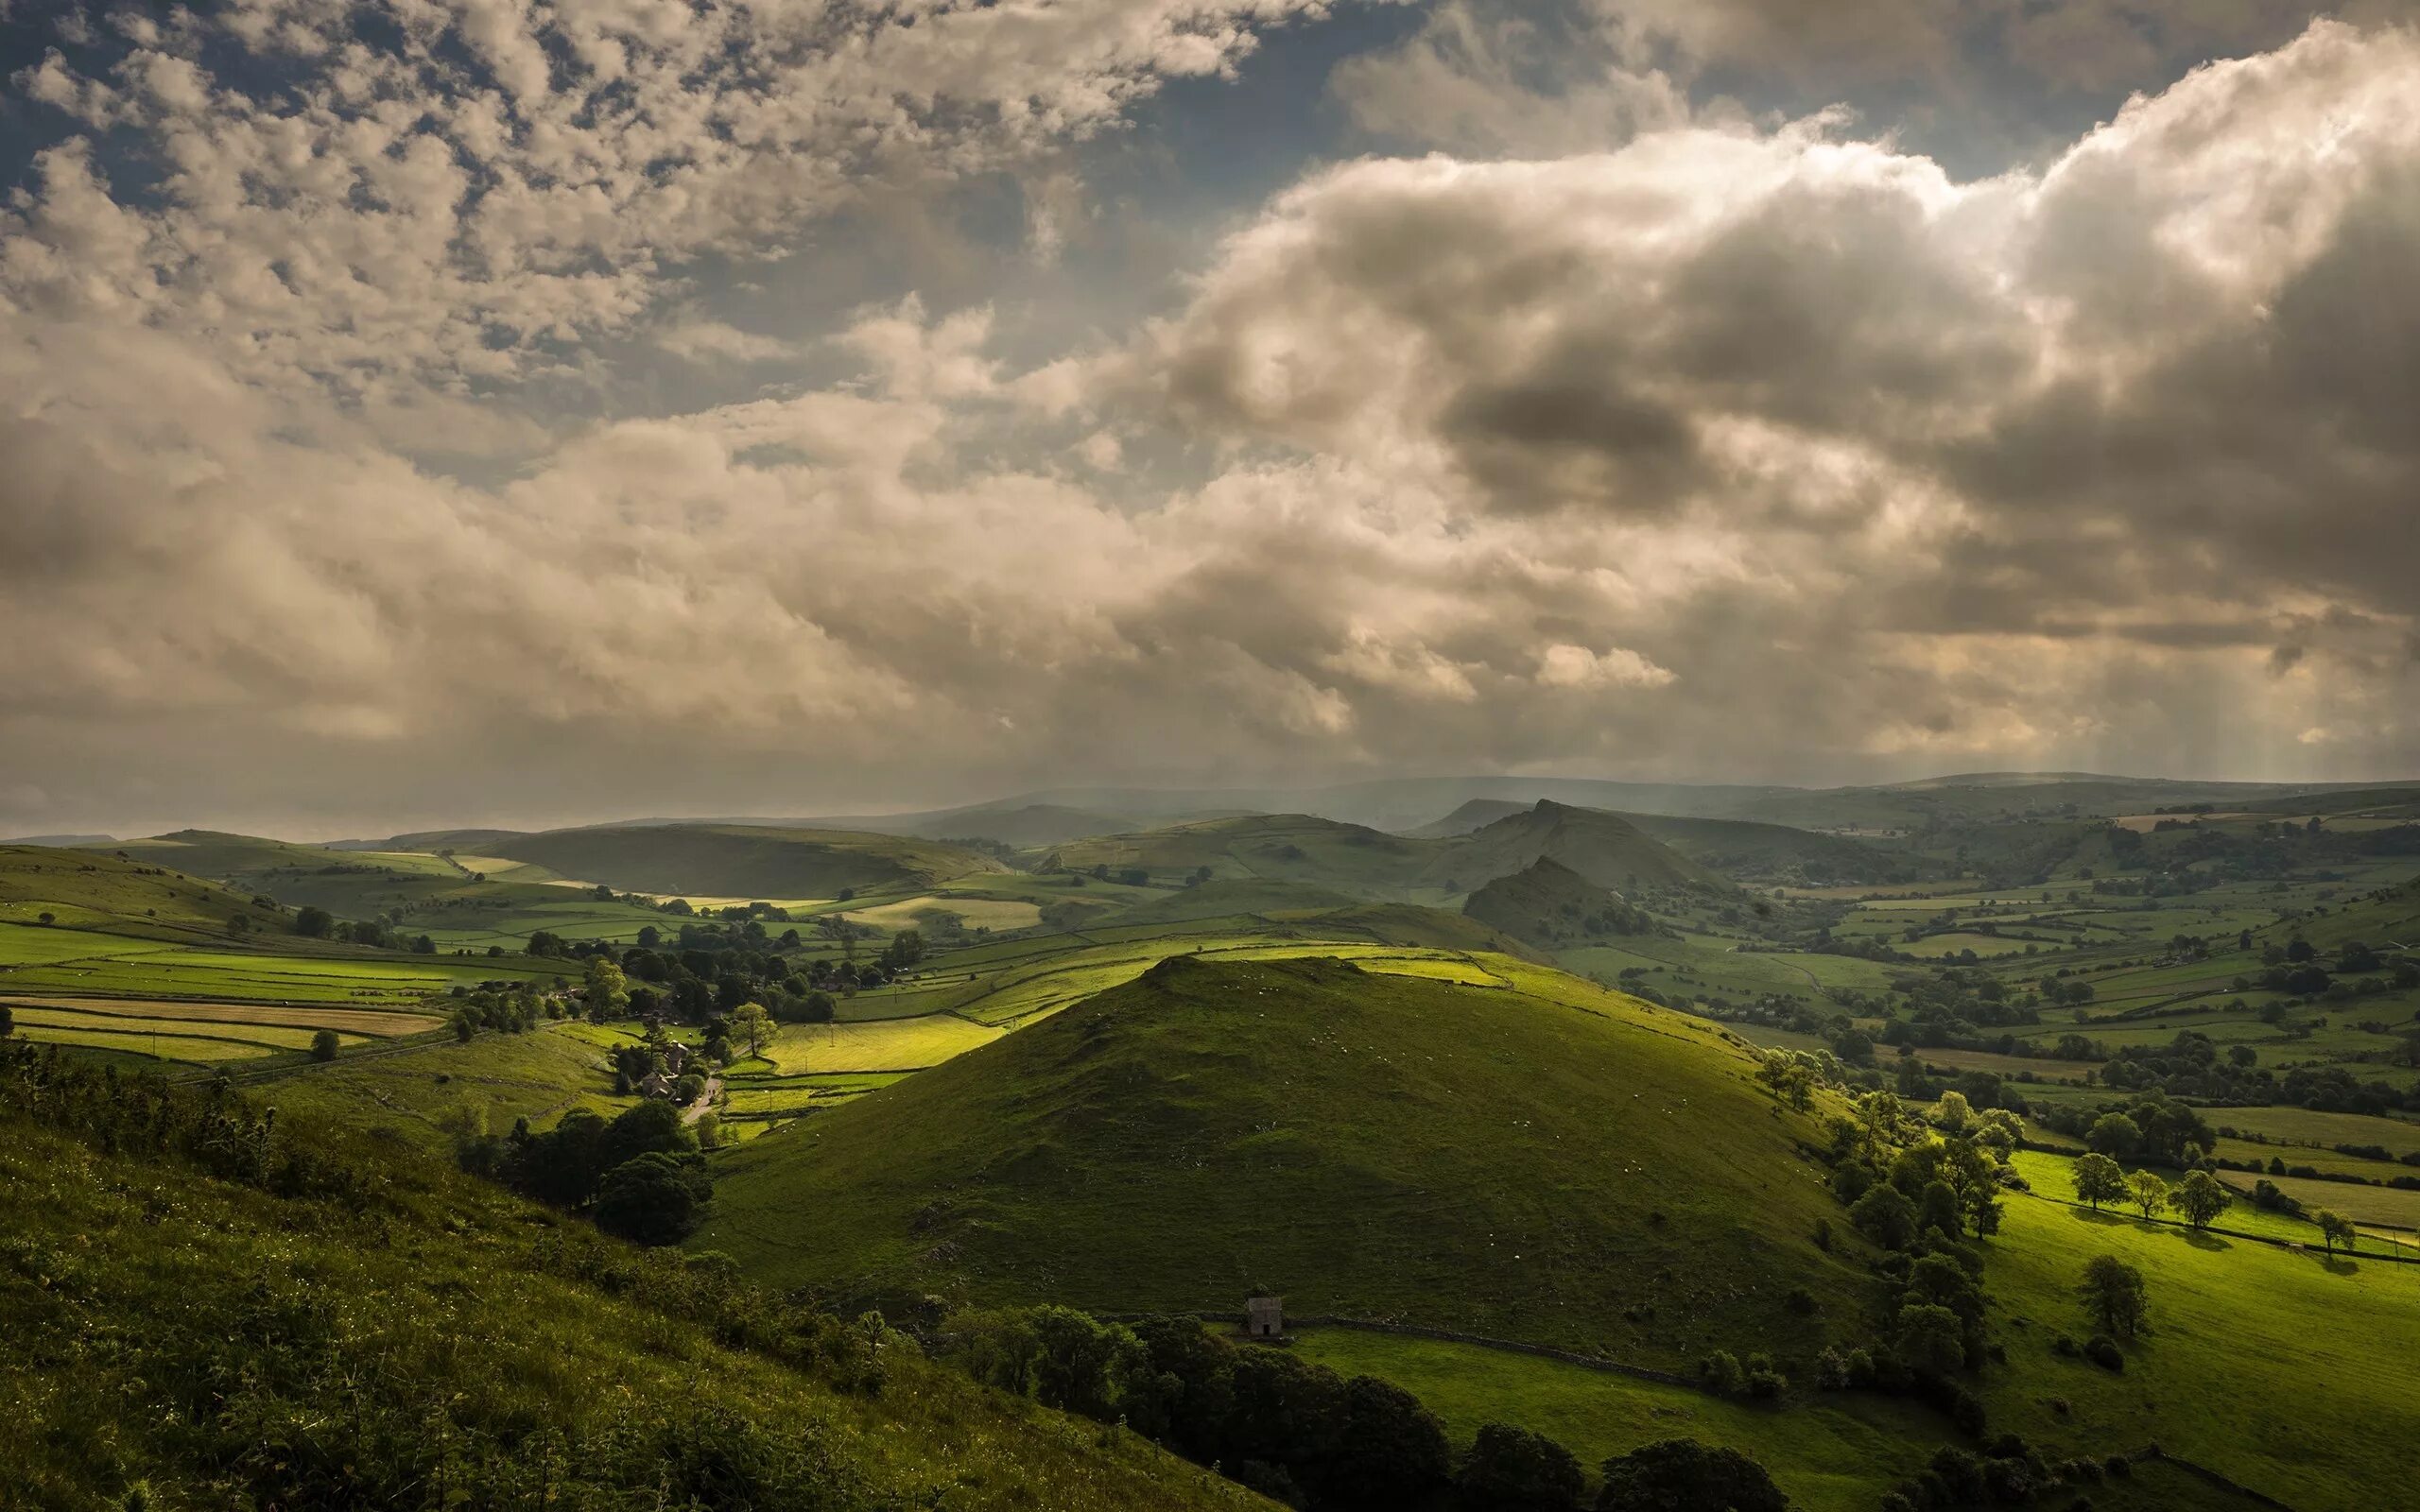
39	1022
1829	1454
2303	1126
879	1044
2381	1207
540	1075
996	914
144	971
2013	1068
1933	947
375	1023
201	1049
2317	1159
2332	1434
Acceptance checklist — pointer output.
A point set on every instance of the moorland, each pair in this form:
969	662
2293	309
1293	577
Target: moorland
1999	1140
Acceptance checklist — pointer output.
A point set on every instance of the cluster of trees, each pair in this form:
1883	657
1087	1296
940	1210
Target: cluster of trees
1919	1197
318	923
2199	1198
708	971
2006	1474
1310	1438
2151	1127
639	1176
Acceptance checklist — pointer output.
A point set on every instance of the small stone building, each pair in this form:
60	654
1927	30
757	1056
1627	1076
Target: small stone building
1265	1318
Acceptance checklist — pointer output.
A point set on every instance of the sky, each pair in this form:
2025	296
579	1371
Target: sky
433	412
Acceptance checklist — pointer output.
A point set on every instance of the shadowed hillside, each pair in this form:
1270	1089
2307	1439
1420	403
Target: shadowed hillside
732	860
1605	849
1551	906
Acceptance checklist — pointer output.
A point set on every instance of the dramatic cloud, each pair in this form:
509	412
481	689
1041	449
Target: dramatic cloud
383	444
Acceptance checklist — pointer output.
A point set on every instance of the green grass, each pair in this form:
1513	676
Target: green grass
884	1045
2289	1374
1829	1454
1368	1143
743	861
412	1331
540	1075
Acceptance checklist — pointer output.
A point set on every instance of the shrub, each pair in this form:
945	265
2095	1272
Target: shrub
651	1200
1512	1469
324	1045
1681	1472
2103	1351
1719	1373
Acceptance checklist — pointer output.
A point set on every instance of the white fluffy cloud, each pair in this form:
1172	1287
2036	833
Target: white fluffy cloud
1735	451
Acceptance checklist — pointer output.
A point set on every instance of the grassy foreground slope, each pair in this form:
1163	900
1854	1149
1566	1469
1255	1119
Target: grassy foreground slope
391	1333
1536	1159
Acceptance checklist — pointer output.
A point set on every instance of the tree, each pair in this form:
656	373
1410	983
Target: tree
2115	1134
607	993
2200	1197
2334	1228
2147	1191
1956	1114
1932	1337
906	949
750	1021
1393	1452
2099	1180
2115	1297
324	1045
8	1022
651	1200
1683	1475
1885	1216
650	1128
311	924
1512	1469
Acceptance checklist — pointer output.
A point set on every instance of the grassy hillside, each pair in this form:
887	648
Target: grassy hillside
1551	906
742	861
391	1333
134	931
1535	1160
1749	852
1477	813
82	888
1292	847
1605	849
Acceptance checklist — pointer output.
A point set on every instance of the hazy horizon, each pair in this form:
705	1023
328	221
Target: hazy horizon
425	415
1178	799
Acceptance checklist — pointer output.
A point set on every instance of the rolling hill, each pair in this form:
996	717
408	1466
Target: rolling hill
80	890
1477	813
1749	852
1292	847
1603	848
1551	906
1536	1159
744	861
